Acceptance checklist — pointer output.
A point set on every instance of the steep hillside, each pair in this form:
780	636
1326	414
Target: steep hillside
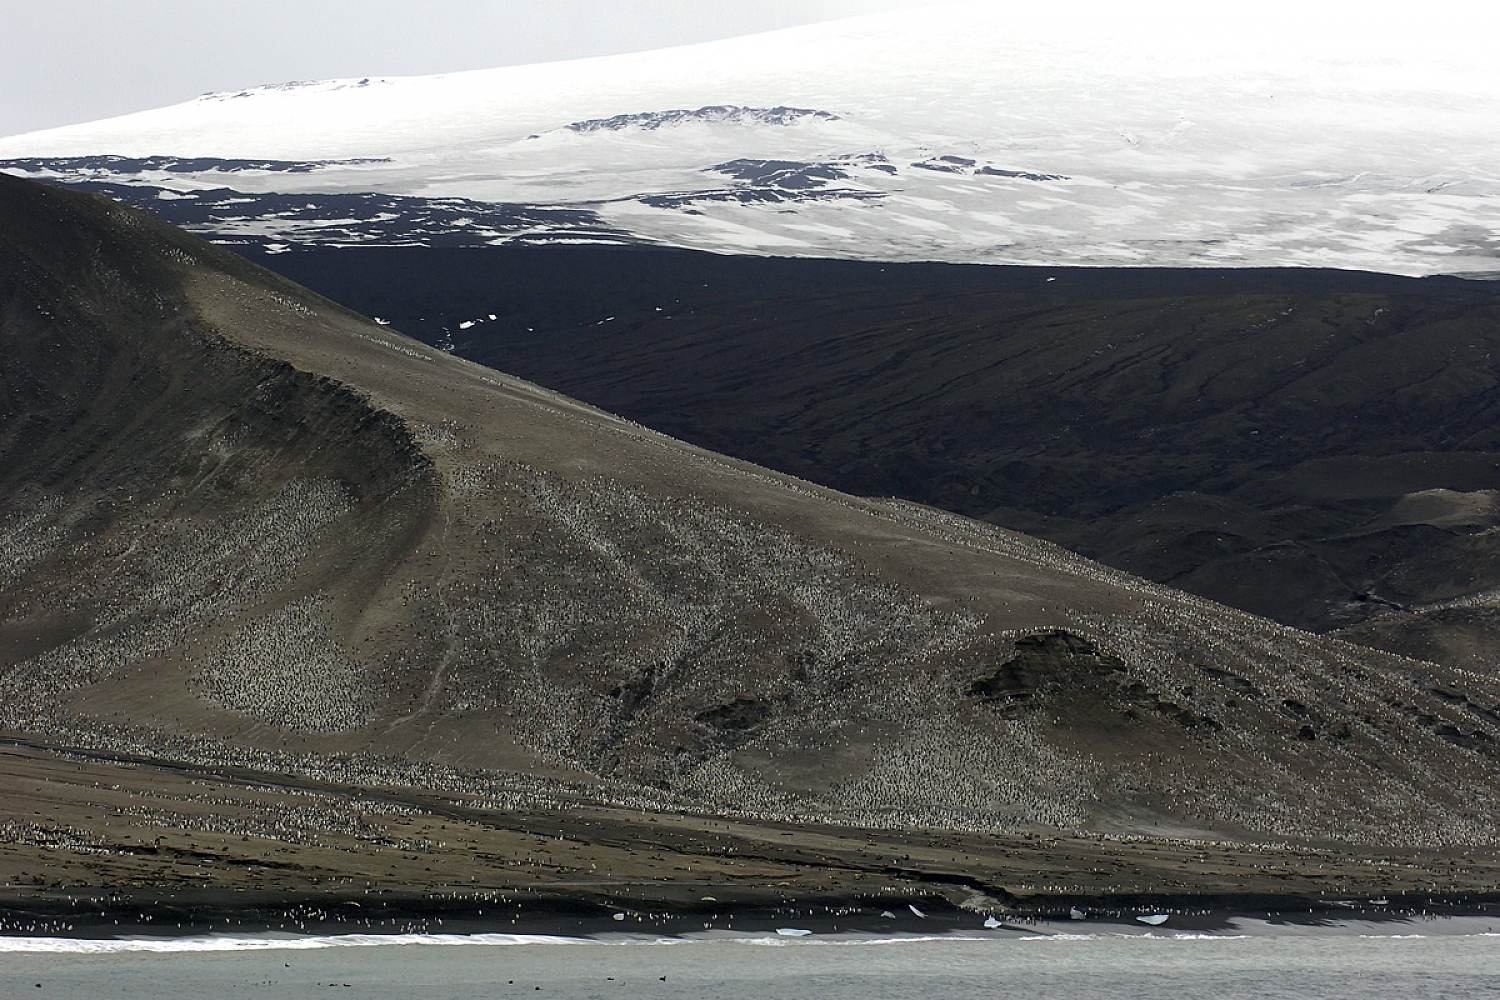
247	529
1314	446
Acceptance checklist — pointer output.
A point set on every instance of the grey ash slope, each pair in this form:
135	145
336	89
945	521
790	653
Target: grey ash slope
240	520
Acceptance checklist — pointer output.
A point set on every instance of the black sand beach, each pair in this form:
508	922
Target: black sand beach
165	914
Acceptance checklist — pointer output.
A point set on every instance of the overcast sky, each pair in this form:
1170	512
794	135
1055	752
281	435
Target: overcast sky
66	61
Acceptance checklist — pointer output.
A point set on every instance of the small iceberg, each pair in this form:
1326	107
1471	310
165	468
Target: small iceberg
1154	919
792	932
916	911
1074	913
618	916
992	923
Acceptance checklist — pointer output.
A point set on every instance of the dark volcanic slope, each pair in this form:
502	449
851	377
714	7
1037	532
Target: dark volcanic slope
244	527
1316	446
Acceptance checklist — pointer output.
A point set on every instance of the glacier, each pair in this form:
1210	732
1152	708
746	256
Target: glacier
1148	134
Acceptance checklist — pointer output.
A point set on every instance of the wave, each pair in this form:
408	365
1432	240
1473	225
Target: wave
273	941
292	942
109	946
266	942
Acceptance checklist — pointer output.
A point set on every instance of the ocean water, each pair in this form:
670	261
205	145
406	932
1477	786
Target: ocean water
1440	960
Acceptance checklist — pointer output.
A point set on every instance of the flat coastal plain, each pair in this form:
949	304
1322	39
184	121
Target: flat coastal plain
234	850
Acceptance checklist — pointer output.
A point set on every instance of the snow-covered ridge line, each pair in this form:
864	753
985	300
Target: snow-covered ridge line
105	165
969	132
274	220
274	88
650	121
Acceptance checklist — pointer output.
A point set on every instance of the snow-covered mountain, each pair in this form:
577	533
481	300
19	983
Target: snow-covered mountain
1150	134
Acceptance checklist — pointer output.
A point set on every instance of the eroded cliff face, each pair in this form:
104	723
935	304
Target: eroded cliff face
248	526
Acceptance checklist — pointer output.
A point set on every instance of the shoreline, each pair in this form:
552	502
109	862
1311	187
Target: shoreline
397	859
168	914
